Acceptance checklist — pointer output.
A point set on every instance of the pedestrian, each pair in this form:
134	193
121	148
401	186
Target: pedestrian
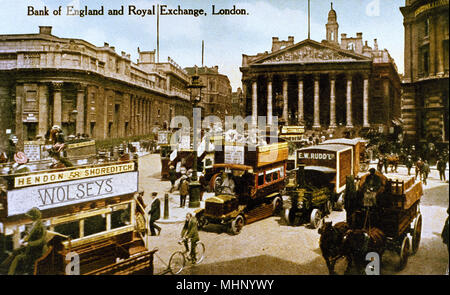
441	165
172	177
155	214
409	164
380	164
445	233
419	165
385	164
190	232
184	191
425	171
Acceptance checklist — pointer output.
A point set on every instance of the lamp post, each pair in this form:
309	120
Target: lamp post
195	89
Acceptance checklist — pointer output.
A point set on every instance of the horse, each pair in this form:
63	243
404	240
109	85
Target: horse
331	243
358	242
393	161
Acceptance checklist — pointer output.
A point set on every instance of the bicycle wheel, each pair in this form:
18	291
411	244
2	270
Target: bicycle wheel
199	252
177	262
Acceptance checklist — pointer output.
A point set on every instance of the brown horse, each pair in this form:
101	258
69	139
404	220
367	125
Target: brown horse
358	242
393	161
331	243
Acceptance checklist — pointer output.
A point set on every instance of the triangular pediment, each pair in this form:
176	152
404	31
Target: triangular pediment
309	51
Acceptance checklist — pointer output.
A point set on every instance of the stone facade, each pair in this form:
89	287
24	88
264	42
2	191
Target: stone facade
216	95
323	84
425	82
238	103
46	80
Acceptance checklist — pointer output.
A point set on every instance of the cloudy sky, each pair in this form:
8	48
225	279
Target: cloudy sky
226	37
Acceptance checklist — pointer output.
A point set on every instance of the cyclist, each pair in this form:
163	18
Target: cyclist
190	232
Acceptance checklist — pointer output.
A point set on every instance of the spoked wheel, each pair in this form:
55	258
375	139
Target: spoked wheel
404	252
277	205
199	252
417	231
329	206
177	262
316	218
237	224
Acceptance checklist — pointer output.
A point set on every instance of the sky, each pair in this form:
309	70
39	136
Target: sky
226	37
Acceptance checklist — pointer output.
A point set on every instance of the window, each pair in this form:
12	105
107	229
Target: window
425	62
268	177
94	224
71	229
261	179
120	216
427	27
350	46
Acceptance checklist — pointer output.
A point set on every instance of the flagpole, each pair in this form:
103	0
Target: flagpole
309	23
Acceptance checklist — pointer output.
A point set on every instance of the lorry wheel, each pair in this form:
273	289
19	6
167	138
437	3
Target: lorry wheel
339	204
237	224
277	206
316	218
201	222
289	216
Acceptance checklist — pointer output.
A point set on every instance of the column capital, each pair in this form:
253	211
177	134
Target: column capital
366	75
269	77
349	76
332	75
57	85
284	77
300	76
316	76
81	87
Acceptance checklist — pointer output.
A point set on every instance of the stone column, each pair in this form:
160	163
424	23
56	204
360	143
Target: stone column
285	100
80	108
254	101
366	101
316	102
349	101
57	103
269	100
301	117
43	110
20	94
333	101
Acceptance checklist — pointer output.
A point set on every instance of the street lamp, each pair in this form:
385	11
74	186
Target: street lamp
195	90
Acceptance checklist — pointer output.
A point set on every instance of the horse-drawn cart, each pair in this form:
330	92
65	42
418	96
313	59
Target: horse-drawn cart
393	215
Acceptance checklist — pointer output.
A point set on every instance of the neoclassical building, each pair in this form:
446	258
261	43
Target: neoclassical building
425	82
216	94
46	80
323	84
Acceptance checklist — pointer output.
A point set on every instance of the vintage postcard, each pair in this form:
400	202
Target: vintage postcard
194	137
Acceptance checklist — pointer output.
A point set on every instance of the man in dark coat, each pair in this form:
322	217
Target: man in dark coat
155	214
190	232
409	163
172	177
425	171
441	165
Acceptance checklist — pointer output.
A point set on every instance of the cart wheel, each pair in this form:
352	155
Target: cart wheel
176	262
316	218
339	204
416	234
404	252
237	224
289	216
277	206
329	206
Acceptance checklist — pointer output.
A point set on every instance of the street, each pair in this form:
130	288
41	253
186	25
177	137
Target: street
269	246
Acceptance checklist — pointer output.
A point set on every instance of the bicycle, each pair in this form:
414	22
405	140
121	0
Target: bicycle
177	260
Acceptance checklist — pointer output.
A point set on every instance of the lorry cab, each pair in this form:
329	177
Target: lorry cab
247	191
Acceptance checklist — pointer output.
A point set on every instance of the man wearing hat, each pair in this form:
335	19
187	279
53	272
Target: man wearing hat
35	245
172	177
21	163
155	214
371	186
